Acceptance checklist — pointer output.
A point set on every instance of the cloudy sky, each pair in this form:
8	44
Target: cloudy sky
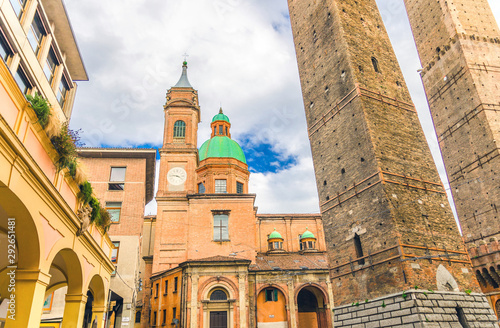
241	56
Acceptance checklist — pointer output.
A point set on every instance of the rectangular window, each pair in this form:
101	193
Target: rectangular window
114	255
47	305
114	209
22	80
157	288
174	313
220	186
36	33
164	320
154	319
50	65
221	231
201	188
114	252
5	49
18	6
62	92
166	287
271	295
239	187
117	178
176	280
220	129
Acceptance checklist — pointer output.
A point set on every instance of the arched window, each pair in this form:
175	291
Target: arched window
179	129
218	295
375	65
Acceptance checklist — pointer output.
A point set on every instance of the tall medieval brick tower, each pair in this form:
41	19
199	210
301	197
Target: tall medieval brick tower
459	47
387	221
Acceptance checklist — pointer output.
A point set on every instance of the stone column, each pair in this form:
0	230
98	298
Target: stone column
74	309
291	304
194	301
30	286
243	299
98	314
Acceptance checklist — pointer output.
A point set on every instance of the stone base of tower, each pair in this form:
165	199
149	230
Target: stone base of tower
418	309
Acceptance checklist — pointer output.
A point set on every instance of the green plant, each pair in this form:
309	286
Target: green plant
383	304
468	291
357	303
430	290
104	219
426	319
85	194
41	107
416	287
72	166
65	143
96	210
366	301
404	295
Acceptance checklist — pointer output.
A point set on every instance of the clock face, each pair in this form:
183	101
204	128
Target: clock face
176	176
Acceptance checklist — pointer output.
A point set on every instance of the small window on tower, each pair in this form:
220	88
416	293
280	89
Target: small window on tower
221	129
239	187
359	248
375	65
179	129
220	187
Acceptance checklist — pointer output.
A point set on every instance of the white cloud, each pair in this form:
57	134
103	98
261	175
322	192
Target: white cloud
241	55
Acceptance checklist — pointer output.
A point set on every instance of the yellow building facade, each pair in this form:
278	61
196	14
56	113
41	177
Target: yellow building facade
45	244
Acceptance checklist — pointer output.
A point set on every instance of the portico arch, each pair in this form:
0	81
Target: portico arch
312	306
16	220
272	305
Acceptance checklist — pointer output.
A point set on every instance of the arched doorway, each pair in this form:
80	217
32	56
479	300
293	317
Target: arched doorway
271	308
217	308
311	308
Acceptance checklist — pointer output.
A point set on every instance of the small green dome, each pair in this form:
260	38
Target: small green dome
275	234
221	146
221	117
307	234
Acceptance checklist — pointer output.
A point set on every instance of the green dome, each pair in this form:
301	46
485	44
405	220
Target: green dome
221	146
307	234
221	117
275	234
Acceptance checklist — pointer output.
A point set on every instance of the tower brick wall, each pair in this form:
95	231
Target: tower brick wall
381	198
459	47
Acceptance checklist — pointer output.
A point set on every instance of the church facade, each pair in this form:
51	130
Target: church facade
216	262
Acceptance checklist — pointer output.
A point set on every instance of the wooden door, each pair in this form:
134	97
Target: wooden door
218	319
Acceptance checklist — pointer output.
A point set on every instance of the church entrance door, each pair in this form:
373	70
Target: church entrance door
218	319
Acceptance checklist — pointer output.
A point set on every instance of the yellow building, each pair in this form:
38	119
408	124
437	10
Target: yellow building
45	236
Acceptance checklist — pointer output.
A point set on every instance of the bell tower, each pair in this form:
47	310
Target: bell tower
178	156
177	178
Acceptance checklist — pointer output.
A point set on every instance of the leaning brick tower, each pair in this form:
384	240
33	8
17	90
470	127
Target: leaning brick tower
459	47
388	225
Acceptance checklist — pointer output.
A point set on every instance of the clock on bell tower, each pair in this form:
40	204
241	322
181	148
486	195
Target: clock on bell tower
179	153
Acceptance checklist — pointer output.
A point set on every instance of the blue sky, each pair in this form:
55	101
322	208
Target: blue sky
241	55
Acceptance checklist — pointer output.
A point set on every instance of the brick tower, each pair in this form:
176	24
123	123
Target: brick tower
459	48
388	224
460	56
178	162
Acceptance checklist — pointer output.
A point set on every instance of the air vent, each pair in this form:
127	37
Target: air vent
276	268
304	268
